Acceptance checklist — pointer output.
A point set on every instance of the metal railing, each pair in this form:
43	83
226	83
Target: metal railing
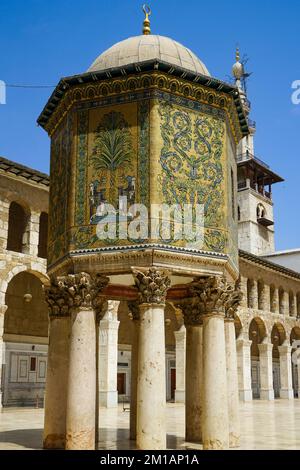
249	156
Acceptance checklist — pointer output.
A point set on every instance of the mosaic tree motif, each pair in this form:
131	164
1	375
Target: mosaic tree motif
113	150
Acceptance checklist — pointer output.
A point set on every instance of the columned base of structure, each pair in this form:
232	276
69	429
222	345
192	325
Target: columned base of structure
179	396
108	399
288	394
267	395
246	395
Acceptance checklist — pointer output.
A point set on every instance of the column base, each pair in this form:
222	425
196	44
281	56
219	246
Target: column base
108	399
179	396
287	394
246	395
267	395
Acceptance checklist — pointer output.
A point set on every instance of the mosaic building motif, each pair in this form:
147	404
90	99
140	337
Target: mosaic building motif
192	166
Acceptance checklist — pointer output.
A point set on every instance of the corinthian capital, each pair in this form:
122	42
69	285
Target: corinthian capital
67	293
134	310
192	311
233	303
213	293
152	285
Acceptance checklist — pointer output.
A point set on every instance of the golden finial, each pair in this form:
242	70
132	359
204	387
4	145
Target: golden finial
147	11
237	54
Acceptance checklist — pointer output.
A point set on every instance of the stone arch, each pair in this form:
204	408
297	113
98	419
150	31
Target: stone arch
238	326
27	312
17	270
295	334
278	337
257	333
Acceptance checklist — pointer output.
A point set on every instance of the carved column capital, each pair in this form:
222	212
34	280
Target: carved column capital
67	293
152	285
192	311
233	303
134	310
213	294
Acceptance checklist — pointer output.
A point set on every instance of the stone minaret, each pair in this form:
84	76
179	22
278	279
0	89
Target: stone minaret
255	180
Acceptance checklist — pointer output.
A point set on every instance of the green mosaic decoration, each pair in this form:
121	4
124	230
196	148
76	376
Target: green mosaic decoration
59	190
83	123
192	171
144	147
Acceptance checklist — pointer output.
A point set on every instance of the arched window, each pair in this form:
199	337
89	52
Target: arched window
18	229
260	211
43	235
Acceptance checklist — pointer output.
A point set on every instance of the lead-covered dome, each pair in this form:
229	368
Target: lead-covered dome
148	47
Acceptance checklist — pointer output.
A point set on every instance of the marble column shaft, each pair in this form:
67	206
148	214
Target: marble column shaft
180	340
81	400
194	383
3	309
57	382
152	286
244	368
266	371
108	356
286	378
232	384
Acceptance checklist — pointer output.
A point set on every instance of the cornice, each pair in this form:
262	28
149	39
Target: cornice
154	75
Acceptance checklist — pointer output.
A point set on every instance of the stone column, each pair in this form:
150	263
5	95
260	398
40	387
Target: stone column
3	309
285	303
253	295
180	340
213	293
286	380
243	347
243	287
266	371
108	356
59	303
194	369
231	369
294	306
297	359
151	386
275	301
135	315
31	236
81	396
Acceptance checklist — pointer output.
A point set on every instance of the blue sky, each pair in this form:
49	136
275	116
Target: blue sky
41	41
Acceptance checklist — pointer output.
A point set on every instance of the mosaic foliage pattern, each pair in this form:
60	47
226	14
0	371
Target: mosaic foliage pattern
59	189
191	162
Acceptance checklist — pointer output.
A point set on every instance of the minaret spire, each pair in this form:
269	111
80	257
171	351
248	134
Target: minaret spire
146	24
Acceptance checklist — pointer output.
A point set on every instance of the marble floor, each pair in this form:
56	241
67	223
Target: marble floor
265	425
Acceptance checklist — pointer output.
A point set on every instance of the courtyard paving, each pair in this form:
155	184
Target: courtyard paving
265	425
